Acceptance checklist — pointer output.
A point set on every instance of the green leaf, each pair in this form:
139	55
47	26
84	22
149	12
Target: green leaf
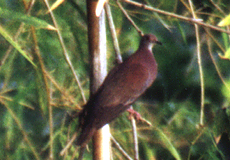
225	37
182	31
226	90
15	45
225	21
168	144
38	23
226	54
42	89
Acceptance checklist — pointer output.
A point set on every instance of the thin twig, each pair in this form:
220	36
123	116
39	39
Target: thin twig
214	39
194	142
11	99
62	90
215	64
69	144
135	138
128	17
191	20
67	58
199	60
113	33
120	148
186	5
217	7
51	156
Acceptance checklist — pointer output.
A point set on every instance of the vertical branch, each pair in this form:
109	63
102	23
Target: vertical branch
113	33
200	66
97	51
135	139
51	127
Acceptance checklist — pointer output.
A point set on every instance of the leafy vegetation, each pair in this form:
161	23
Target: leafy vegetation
38	89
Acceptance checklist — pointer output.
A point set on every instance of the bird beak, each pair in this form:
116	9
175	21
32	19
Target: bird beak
158	42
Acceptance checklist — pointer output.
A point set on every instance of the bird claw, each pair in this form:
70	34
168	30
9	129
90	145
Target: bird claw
137	116
134	114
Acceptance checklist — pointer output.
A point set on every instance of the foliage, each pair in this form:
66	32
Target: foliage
38	89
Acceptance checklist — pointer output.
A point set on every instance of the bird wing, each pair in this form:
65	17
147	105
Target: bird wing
123	85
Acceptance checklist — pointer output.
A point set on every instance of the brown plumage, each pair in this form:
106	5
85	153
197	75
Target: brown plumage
122	86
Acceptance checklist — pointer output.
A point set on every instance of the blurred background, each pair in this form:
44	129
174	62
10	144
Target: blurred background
172	104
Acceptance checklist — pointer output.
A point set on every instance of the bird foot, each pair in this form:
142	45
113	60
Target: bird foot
135	114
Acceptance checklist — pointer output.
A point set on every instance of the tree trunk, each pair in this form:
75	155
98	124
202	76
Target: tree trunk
97	51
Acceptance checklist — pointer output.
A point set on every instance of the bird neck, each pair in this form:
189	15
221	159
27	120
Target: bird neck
146	46
144	54
146	49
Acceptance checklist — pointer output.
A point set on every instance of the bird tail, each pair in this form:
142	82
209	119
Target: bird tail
85	136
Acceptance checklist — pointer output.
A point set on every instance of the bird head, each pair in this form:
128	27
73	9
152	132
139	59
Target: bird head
148	41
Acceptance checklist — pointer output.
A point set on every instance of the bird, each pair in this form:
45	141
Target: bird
122	86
